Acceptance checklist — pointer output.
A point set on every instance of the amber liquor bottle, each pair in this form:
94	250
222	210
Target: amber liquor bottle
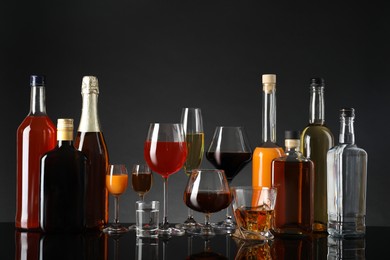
90	140
63	179
293	176
35	136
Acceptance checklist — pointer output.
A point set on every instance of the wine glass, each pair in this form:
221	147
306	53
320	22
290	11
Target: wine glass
141	179
116	183
230	151
191	118
165	152
207	191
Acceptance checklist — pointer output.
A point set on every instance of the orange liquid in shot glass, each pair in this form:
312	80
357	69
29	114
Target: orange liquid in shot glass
116	184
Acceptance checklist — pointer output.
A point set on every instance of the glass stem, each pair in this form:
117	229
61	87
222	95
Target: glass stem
141	197
227	213
116	213
189	210
165	218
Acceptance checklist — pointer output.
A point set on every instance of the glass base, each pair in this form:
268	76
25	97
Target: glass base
227	226
203	232
115	229
166	230
190	223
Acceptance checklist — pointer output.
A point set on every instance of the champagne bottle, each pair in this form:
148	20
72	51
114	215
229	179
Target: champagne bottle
316	140
347	182
90	140
293	176
35	136
63	178
268	150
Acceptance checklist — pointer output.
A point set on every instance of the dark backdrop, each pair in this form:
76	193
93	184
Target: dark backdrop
154	57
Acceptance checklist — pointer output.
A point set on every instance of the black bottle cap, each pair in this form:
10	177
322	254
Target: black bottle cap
317	81
37	80
347	112
292	134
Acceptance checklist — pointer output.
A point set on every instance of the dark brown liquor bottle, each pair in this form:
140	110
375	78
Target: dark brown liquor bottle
90	140
63	179
293	176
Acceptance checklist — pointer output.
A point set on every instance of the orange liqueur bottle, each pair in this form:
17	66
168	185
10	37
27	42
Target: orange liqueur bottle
91	142
35	136
268	150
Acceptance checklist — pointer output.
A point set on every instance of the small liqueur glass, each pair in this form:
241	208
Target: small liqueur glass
116	183
141	179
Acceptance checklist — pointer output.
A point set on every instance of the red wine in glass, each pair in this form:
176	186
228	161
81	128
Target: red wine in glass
165	158
230	162
165	151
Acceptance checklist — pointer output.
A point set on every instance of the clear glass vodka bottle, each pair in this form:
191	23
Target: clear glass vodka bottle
347	182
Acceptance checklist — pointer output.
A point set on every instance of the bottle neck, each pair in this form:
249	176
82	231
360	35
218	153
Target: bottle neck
37	101
269	115
89	121
317	105
64	138
347	133
292	145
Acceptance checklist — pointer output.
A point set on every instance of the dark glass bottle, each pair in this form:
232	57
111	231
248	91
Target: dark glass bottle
63	181
347	182
90	140
35	136
316	140
293	176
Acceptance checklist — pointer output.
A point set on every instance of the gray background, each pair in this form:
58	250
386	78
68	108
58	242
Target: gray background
154	57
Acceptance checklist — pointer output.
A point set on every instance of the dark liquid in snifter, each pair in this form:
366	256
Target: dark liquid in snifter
141	183
207	202
230	162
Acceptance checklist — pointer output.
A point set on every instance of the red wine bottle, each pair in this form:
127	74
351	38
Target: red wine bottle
90	140
63	178
35	136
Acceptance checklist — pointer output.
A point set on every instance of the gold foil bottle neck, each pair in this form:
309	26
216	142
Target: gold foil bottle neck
90	85
65	129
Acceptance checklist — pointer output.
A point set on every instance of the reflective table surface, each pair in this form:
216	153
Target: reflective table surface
30	246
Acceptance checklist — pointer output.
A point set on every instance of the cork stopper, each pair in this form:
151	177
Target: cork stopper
90	84
269	82
65	129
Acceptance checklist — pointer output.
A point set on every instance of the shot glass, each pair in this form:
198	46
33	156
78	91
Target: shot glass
253	209
147	216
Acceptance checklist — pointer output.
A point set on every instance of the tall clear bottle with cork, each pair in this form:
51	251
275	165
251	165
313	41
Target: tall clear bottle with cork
268	150
90	140
347	182
316	140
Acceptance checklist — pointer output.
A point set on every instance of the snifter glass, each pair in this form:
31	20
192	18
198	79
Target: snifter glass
253	209
207	191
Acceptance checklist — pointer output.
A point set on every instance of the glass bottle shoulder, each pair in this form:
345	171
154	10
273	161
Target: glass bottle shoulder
348	149
292	156
317	131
